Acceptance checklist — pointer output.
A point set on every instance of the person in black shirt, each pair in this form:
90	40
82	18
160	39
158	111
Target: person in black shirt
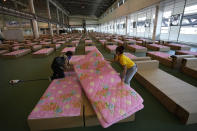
60	64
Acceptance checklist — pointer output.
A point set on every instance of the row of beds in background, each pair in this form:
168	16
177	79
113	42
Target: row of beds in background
43	46
183	59
176	95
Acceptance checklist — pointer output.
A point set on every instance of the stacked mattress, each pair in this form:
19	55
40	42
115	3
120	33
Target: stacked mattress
60	105
17	53
68	49
157	47
182	52
102	42
137	48
178	46
111	48
43	52
88	42
163	58
111	100
3	52
90	48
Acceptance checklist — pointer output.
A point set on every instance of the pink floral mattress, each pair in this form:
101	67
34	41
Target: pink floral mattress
61	99
90	48
137	46
158	46
161	54
37	46
57	45
119	41
178	45
112	47
44	51
188	52
75	42
68	49
29	44
16	44
111	100
102	41
60	42
16	47
139	42
17	52
76	58
88	41
45	43
3	51
131	56
130	40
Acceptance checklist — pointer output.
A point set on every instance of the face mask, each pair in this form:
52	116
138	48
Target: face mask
69	57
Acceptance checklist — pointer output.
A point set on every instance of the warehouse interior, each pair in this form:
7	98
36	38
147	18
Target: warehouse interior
159	36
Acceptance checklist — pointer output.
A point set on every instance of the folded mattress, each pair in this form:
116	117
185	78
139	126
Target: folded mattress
76	42
68	49
137	48
162	57
111	48
76	58
90	48
111	100
157	47
181	52
61	42
91	118
102	42
16	48
88	41
57	46
17	53
60	105
3	51
43	52
36	47
131	56
178	46
118	41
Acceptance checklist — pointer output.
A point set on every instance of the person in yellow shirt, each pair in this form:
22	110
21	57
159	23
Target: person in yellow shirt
129	66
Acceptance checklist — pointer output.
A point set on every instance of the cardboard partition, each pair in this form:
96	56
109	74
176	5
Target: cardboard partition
56	122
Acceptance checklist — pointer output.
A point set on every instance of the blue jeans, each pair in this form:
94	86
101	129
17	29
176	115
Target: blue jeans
129	74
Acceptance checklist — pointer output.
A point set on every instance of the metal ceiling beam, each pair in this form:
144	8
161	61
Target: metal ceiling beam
98	7
88	1
19	3
61	9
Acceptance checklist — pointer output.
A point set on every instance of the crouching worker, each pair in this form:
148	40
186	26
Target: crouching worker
61	64
128	65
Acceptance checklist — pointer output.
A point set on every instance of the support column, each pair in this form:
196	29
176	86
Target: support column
4	22
63	19
49	16
155	23
34	21
58	19
84	25
126	25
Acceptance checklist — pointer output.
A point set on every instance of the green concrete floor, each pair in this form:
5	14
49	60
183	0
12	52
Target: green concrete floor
18	101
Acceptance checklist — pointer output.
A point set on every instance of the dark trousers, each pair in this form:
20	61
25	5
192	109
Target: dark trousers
57	74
